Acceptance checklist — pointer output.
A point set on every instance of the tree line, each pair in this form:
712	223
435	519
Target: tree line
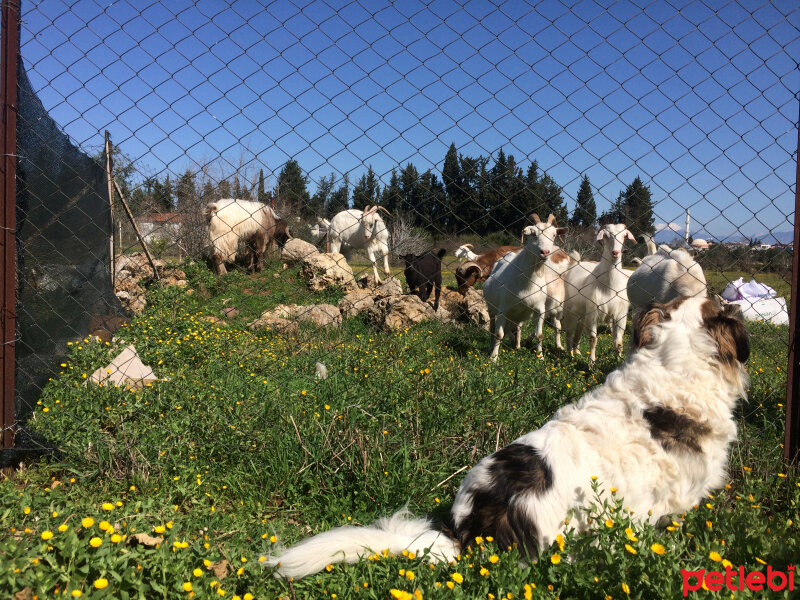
470	195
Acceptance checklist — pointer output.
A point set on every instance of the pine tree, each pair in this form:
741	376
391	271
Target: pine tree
365	192
430	202
554	199
224	189
617	212
392	194
533	194
454	190
321	199
639	204
186	192
585	214
340	198
162	195
409	186
292	190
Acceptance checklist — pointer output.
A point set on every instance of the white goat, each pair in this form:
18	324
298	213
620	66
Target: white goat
354	229
231	221
665	275
597	292
518	285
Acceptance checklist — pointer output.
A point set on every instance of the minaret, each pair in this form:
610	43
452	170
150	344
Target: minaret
687	227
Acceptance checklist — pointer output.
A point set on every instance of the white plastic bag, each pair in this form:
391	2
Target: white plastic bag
753	290
770	310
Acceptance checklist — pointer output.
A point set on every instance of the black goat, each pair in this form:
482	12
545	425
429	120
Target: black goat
423	272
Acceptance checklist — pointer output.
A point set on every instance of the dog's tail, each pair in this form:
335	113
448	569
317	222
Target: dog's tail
348	544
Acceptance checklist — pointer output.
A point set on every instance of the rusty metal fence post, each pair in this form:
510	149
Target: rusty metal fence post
791	444
8	134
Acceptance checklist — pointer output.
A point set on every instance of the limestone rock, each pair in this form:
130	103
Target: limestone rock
295	250
399	312
474	309
320	315
132	273
326	269
390	287
356	302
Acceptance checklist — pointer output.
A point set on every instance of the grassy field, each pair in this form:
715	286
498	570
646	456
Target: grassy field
177	489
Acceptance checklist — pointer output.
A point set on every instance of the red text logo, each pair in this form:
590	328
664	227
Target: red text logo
737	580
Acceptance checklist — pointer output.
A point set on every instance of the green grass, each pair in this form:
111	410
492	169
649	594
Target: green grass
241	449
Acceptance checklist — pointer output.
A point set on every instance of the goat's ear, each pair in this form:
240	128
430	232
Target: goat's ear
529	230
601	234
561	231
643	322
628	236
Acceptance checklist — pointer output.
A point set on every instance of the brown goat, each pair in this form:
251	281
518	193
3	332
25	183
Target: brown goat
480	267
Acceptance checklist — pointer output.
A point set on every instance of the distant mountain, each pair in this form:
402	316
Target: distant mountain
666	236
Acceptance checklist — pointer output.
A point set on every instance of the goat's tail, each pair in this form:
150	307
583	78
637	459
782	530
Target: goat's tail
348	544
441	253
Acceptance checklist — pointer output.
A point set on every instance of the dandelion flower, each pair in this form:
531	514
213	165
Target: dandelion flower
715	556
630	549
609	523
107	506
555	559
494	558
77	593
658	548
457	577
62	528
46	535
187	586
95	542
401	595
625	588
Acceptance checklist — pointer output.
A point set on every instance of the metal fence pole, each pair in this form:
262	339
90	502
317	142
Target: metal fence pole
791	444
8	216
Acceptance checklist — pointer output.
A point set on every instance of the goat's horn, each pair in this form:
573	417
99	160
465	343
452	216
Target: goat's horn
383	209
467	245
551	218
367	208
535	218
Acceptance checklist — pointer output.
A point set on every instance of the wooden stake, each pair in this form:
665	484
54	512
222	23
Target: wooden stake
136	229
109	181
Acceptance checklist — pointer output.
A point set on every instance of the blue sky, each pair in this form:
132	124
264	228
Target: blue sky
700	103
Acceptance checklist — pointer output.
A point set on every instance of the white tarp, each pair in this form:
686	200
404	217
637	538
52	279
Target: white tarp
758	301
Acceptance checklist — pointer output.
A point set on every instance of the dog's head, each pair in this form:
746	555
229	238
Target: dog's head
722	322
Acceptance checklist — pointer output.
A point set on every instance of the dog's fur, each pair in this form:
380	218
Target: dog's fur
657	430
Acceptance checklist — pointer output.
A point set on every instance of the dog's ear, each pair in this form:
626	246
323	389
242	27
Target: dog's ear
643	322
728	330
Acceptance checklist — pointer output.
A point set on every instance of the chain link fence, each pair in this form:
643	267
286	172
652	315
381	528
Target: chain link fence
460	120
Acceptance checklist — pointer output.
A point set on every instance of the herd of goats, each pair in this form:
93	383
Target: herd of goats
537	277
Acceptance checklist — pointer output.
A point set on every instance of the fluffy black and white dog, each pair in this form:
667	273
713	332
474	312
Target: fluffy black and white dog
657	430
